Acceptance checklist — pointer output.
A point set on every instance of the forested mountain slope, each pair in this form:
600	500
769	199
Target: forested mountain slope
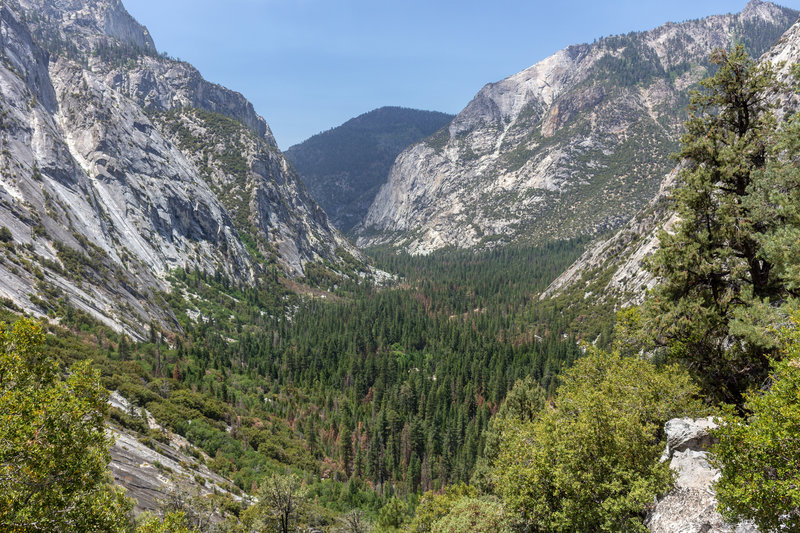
345	166
447	398
574	145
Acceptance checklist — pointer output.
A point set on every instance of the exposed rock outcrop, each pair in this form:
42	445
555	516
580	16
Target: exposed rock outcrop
149	470
691	506
574	145
85	23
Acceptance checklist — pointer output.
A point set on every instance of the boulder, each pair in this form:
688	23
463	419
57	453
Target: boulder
691	507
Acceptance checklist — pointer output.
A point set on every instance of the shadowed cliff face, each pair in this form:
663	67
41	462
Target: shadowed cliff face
573	145
119	165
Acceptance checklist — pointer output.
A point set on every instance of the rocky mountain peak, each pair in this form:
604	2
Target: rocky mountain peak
85	20
761	10
102	35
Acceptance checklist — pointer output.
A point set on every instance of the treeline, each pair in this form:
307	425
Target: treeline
505	278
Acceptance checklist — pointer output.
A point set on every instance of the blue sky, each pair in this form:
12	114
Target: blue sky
309	65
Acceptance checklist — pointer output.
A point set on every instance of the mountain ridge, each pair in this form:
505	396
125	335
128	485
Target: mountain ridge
529	155
102	196
619	259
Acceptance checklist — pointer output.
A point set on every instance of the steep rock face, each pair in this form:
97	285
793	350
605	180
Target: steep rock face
573	145
160	85
87	22
103	36
613	268
102	200
149	470
255	183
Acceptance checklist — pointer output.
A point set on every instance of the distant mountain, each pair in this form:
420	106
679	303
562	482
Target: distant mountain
572	146
344	167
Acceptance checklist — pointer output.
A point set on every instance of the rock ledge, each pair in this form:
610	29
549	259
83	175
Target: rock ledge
691	507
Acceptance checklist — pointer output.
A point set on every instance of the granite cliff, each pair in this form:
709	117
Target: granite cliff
574	145
120	164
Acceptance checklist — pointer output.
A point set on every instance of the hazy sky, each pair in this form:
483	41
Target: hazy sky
309	65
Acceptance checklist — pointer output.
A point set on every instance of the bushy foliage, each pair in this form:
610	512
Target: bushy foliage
474	515
434	506
524	403
383	392
776	196
355	521
590	463
759	457
53	447
173	522
392	515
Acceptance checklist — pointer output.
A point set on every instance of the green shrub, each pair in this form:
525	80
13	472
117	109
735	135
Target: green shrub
53	446
759	458
127	421
473	515
136	393
591	463
392	515
434	506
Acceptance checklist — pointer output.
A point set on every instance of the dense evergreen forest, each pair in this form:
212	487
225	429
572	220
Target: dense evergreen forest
368	392
394	385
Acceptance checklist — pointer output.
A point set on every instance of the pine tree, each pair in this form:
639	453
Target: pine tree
777	197
715	276
346	448
281	499
124	348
